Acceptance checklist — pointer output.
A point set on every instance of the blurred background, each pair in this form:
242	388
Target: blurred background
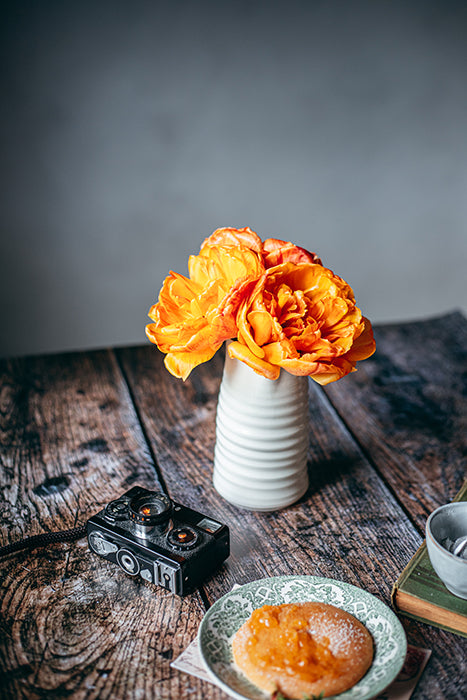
130	130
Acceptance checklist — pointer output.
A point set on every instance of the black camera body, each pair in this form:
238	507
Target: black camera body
167	544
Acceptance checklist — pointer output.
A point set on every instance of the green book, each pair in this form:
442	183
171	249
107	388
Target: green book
420	593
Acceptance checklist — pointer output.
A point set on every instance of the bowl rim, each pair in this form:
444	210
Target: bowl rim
430	537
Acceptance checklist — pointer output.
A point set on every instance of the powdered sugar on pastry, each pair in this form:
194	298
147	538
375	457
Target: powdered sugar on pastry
303	649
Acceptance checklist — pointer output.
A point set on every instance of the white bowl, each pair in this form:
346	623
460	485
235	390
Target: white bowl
444	526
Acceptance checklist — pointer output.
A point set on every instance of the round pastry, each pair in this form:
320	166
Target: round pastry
303	649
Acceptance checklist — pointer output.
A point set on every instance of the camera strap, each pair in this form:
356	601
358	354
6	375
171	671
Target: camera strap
44	539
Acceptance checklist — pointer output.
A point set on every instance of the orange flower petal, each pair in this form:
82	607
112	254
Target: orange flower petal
180	364
321	372
262	326
241	352
234	237
276	252
224	318
364	345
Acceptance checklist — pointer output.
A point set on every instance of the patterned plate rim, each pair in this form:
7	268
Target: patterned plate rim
368	687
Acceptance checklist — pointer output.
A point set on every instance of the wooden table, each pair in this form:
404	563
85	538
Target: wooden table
388	444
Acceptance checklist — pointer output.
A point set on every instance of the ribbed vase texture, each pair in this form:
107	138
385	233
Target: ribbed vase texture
262	428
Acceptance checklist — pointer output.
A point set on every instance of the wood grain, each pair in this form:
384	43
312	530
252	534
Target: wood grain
348	526
407	408
182	434
78	429
74	625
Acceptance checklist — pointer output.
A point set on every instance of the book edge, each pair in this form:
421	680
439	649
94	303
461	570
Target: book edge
449	617
429	613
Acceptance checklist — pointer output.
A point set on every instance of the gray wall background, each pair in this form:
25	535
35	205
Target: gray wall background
131	130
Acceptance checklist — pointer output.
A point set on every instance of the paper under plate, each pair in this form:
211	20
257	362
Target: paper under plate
228	614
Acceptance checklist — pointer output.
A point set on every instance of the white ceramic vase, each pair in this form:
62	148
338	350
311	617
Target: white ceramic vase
262	429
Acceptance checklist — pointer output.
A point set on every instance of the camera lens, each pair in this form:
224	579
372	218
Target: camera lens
183	537
151	508
117	510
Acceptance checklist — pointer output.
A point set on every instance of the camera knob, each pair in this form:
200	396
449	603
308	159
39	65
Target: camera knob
128	562
183	537
116	510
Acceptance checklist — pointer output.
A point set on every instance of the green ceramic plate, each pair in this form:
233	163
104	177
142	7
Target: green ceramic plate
228	614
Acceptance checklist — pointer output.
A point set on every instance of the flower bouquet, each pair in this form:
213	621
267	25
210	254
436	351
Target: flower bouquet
279	304
279	309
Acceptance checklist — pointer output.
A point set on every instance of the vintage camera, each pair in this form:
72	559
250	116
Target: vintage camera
148	534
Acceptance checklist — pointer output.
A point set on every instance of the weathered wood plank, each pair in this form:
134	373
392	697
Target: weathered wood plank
72	624
348	526
68	429
346	500
407	407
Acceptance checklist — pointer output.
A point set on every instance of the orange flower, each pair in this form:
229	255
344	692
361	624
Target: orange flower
302	318
195	315
283	307
273	251
234	237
